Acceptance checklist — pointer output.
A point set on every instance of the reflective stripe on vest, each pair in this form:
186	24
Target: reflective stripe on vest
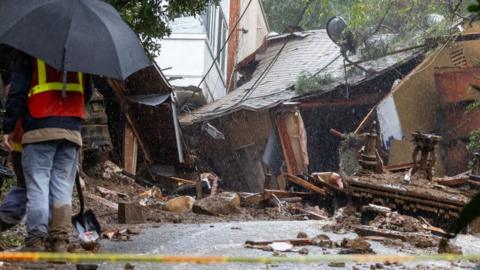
51	96
44	86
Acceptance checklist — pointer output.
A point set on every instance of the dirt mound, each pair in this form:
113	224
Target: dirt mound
396	222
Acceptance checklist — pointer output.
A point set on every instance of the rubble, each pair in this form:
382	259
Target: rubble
420	195
218	205
130	213
179	204
417	239
448	247
281	246
400	223
355	246
346	219
302	235
109	169
323	240
303	251
337	264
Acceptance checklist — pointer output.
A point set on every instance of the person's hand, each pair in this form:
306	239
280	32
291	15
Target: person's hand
6	142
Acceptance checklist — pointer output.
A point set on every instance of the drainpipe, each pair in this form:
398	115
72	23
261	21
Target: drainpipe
181	158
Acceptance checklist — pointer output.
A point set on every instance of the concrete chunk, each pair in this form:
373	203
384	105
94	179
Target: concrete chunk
217	205
130	213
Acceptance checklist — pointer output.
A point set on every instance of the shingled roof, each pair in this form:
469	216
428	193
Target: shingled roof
305	52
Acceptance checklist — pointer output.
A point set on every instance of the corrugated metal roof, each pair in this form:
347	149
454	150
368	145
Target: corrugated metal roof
308	52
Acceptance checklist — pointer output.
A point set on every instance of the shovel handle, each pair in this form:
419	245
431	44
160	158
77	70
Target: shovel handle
80	193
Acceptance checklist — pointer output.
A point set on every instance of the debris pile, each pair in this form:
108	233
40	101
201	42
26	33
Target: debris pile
400	223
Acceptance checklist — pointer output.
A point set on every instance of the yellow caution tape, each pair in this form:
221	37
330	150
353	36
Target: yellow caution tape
141	258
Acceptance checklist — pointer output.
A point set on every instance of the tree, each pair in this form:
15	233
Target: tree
149	18
407	21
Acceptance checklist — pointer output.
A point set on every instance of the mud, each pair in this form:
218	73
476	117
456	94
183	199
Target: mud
400	223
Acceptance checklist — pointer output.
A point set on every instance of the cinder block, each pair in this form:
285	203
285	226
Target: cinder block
130	213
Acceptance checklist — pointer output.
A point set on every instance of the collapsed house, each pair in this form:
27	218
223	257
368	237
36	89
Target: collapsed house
266	126
143	123
433	99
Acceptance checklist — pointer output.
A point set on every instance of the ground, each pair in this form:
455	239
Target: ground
199	234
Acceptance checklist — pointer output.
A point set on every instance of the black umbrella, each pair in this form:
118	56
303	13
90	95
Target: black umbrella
73	35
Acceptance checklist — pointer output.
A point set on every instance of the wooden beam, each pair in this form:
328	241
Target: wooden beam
180	180
299	181
366	120
267	193
101	200
130	150
288	154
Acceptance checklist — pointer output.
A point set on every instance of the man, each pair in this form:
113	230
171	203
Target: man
13	207
51	106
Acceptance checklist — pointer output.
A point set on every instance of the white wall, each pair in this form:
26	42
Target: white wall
256	25
189	53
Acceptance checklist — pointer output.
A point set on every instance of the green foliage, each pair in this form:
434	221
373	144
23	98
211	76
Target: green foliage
474	141
149	18
473	106
11	240
474	7
307	82
410	21
470	211
8	183
474	138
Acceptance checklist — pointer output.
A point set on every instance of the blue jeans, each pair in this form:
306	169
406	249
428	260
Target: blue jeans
14	206
49	168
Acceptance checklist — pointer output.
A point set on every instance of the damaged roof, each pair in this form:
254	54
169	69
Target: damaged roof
305	52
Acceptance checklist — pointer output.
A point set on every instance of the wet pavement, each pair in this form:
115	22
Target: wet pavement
228	239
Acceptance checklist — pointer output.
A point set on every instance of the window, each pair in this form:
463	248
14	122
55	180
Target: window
222	36
210	24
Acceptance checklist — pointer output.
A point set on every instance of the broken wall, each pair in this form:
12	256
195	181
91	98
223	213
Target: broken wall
237	159
417	100
344	112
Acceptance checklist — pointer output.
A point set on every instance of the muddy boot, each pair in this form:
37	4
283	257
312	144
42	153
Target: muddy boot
35	242
4	226
59	228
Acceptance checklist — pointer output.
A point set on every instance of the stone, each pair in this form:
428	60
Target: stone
337	264
129	266
130	213
304	251
84	266
220	204
446	246
423	241
179	204
134	230
322	240
302	235
355	246
281	246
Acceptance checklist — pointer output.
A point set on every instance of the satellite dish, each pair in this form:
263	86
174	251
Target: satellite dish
337	30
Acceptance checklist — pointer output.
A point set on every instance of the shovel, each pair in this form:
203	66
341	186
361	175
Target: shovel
85	222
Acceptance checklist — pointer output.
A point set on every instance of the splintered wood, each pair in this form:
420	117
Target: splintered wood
420	195
299	181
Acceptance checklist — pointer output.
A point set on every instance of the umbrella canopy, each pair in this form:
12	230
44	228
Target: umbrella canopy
73	35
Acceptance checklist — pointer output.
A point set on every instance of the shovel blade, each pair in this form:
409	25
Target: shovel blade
87	226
